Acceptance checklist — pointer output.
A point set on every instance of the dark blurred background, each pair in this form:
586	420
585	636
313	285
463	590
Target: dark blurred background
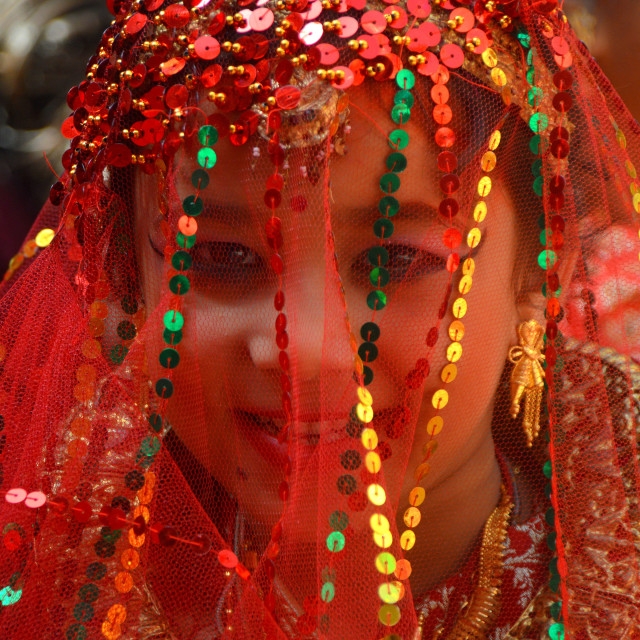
45	44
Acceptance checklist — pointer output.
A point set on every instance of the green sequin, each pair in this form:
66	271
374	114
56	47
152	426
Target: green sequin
88	593
538	186
96	571
398	139
377	300
401	114
388	206
207	158
126	330
383	228
181	260
339	520
150	446
118	353
531	76
378	256
76	632
389	183
535	95
550	516
547	258
534	144
404	97
200	179
192	206
328	592
556	610
172	337
173	320
335	541
186	242
405	79
536	167
555	294
169	358
396	162
207	135
8	596
524	39
83	612
530	57
547	469
538	122
155	420
179	285
379	277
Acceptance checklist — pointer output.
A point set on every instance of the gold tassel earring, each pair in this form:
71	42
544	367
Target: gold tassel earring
527	377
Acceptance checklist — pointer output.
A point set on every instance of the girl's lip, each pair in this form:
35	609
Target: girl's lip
261	431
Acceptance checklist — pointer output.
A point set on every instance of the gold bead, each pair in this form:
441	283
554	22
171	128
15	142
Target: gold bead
339	75
322	74
125	134
331	75
286	24
363	44
226	45
295	61
327	26
236	47
238	18
232	128
284	44
303	58
370	72
412	60
505	21
229	20
90	76
451	24
191	49
281	52
183	40
353	44
279	32
326	4
490	6
271	101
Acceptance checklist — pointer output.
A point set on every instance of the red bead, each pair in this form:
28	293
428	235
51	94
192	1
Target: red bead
553	281
447	161
557	184
449	208
167	536
563	80
81	511
562	101
283	359
59	504
202	544
276	533
552	329
270	568
559	148
140	526
450	183
551	356
556	201
270	602
117	519
282	339
272	198
432	337
278	301
283	490
559	132
557	240
285	382
453	262
273	227
277	263
281	322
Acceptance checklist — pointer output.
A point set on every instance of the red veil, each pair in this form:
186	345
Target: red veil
254	356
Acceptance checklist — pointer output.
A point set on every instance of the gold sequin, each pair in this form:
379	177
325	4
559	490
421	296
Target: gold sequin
45	237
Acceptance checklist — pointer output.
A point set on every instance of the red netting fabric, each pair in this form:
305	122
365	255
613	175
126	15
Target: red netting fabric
328	331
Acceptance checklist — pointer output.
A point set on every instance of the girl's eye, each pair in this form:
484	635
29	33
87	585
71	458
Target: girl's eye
226	263
405	262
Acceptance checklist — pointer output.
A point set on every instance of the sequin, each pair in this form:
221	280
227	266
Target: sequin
207	158
389	614
459	308
388	593
335	541
376	494
454	352
407	540
379	523
385	563
449	373
383	539
45	237
452	55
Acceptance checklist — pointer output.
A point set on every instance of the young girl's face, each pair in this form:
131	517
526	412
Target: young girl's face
227	408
